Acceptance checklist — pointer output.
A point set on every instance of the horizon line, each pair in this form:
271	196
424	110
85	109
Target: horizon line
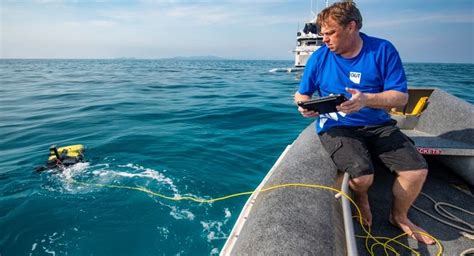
209	58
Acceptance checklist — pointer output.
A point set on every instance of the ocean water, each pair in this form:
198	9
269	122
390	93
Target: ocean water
180	128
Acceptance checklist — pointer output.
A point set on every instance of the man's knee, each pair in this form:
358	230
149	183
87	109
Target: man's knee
414	175
364	181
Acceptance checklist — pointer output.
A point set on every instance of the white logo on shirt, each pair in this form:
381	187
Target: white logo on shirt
355	77
324	117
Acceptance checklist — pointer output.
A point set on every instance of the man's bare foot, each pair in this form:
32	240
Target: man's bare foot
411	229
364	206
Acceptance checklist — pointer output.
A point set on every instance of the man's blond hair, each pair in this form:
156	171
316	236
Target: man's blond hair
341	12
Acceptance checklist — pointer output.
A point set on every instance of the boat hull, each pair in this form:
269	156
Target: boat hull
294	220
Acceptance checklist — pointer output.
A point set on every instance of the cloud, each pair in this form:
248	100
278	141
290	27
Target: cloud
419	19
211	1
204	15
120	15
89	24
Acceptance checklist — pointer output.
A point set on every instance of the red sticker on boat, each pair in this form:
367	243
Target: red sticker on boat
429	151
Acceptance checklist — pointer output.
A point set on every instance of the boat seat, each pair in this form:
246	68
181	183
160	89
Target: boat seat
428	144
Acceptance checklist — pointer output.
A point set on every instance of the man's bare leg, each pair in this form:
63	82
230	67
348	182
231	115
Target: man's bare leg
360	186
405	189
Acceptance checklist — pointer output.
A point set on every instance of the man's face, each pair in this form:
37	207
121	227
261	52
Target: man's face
336	37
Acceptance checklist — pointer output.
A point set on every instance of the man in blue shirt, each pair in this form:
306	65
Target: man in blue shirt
369	72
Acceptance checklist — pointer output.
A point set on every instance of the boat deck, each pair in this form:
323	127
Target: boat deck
440	185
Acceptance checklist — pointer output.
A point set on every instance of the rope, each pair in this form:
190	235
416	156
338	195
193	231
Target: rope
369	236
438	206
467	252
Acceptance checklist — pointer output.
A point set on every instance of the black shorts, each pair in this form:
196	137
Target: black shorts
351	148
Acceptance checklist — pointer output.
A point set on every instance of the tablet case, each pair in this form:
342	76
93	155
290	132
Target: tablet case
323	105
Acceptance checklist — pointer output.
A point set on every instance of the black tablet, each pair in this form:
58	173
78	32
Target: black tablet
323	105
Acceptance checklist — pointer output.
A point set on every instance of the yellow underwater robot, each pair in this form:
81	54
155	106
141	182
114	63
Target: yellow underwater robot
63	157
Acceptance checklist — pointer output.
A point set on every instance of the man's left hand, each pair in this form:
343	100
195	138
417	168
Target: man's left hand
357	101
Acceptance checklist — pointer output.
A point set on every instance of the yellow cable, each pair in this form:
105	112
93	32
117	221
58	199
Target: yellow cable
368	236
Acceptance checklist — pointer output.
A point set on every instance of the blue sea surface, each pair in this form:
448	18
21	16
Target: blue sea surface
176	127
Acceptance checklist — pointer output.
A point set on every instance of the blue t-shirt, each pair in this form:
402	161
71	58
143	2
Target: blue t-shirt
375	69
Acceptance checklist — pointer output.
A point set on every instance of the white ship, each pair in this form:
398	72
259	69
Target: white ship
308	41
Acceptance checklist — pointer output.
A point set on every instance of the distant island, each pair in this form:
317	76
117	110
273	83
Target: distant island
125	58
195	58
203	57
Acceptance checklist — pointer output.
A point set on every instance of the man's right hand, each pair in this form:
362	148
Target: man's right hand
304	112
308	113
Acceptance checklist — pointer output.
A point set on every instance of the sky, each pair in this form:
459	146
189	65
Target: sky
421	30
